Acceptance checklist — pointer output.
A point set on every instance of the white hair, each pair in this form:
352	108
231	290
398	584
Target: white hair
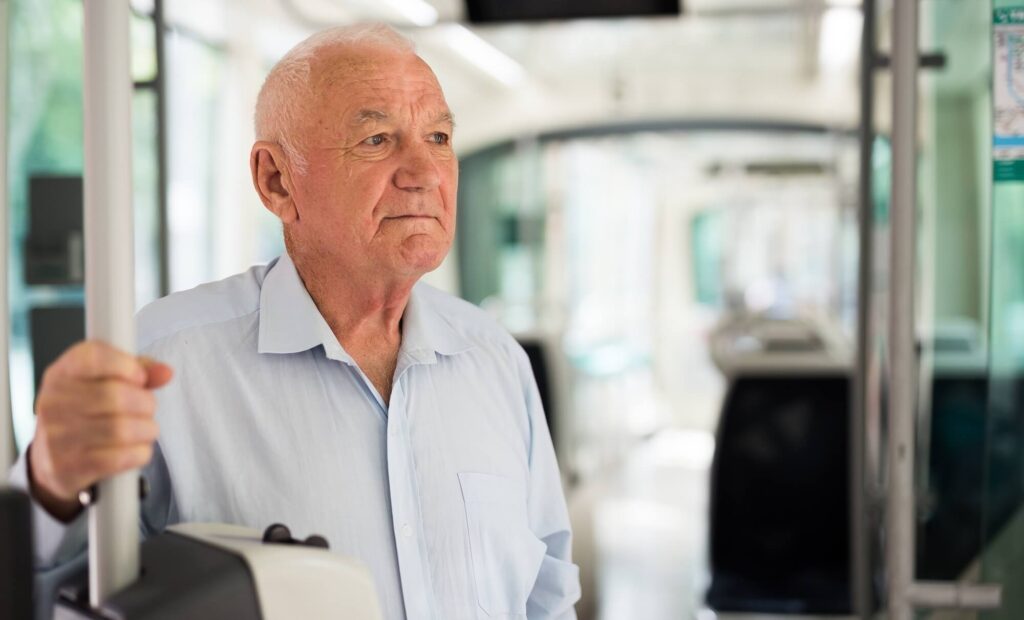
287	91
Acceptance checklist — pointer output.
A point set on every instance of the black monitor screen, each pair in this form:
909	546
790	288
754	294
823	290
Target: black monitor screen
489	11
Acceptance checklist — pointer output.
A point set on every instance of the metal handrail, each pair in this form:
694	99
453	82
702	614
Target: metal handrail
863	397
109	268
900	530
906	594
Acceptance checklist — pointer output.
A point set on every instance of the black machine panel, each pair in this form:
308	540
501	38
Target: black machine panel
181	578
15	555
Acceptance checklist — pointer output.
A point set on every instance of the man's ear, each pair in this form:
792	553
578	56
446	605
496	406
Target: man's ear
271	178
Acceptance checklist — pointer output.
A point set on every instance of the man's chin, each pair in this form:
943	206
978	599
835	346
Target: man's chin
416	261
418	267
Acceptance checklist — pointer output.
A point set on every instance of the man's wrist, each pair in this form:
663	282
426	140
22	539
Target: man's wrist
63	510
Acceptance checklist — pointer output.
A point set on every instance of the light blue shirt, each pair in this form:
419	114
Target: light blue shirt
450	494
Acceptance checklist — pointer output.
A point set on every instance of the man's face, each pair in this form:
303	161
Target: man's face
379	192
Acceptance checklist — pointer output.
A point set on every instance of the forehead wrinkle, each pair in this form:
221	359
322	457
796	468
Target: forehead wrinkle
445	117
373	95
367	115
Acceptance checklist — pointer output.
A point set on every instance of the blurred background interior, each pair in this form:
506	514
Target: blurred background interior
670	212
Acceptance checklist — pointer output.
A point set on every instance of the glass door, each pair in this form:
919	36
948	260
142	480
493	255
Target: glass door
952	533
953	212
1002	560
7	447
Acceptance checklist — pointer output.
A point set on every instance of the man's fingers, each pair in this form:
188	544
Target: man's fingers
95	413
158	374
106	462
84	399
66	463
120	432
117	397
93	359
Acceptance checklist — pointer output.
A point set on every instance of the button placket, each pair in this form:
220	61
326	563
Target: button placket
404	511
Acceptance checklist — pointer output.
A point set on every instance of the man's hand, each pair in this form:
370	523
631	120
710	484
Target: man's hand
94	418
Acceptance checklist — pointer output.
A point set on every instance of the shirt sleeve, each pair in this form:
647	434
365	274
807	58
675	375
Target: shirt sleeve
54	542
158	509
558	584
60	548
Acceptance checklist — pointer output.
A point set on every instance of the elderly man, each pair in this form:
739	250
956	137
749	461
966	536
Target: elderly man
330	390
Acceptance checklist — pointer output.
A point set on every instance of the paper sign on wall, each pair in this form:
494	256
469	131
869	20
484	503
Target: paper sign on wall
1008	94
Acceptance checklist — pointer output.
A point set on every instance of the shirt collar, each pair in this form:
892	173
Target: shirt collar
290	322
425	331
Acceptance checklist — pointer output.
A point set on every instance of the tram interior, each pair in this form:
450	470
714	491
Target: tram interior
664	211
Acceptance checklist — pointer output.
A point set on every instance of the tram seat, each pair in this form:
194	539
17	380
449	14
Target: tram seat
949	537
780	486
975	473
779	496
538	350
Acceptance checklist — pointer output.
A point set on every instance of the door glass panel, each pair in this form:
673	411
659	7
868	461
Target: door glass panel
44	148
1003	533
45	244
952	274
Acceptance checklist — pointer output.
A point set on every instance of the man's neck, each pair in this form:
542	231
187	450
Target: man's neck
358	310
365	315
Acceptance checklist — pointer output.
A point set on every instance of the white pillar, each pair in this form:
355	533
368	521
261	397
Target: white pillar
109	267
900	530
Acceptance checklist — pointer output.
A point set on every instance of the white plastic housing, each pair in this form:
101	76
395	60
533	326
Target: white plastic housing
294	581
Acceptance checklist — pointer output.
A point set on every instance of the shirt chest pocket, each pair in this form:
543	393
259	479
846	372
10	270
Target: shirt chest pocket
506	554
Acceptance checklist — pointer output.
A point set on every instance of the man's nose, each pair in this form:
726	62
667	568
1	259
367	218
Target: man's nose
417	171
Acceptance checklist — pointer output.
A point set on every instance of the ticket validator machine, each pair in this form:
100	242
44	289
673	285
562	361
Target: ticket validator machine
193	570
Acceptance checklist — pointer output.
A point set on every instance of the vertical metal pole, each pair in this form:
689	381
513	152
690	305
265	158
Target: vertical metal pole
860	538
902	361
109	268
160	93
7	448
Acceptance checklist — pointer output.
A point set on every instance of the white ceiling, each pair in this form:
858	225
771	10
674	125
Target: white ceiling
750	59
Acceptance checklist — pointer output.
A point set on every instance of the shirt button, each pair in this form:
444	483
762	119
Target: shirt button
407	530
392	430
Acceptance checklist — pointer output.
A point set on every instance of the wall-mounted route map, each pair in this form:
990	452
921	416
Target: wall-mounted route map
1008	94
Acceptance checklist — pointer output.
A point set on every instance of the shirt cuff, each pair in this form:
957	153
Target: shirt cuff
54	541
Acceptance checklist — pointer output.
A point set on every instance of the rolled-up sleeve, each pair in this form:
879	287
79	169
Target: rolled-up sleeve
558	583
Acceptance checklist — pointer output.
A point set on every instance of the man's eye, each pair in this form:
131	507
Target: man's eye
439	138
376	140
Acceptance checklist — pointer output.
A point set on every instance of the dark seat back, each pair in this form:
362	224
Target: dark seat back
538	353
780	497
